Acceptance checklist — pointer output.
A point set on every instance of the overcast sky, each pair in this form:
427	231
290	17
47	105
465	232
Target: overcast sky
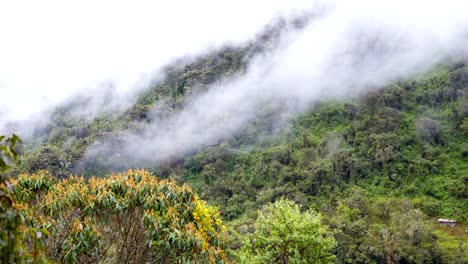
51	49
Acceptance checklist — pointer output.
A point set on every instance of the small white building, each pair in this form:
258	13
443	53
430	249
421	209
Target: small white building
447	222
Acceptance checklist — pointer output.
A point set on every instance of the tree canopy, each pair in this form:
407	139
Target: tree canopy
130	217
284	234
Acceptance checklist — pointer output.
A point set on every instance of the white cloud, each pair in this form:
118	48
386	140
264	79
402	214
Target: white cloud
351	48
50	50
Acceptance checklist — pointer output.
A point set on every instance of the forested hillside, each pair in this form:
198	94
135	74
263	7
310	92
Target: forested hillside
253	132
380	168
377	169
59	144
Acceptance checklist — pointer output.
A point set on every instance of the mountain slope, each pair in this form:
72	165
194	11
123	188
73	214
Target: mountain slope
406	140
381	167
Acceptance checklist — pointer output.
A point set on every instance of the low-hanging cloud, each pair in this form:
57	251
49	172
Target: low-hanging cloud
51	50
346	48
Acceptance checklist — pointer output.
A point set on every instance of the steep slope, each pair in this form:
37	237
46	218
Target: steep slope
380	167
406	140
60	143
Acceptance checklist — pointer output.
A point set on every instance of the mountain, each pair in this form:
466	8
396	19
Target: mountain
380	167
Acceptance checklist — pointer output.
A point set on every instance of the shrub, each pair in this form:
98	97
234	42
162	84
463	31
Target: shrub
285	235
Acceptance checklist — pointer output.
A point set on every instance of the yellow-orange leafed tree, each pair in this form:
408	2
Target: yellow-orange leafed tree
130	217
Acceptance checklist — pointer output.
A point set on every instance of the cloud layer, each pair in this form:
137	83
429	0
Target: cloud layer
347	47
51	50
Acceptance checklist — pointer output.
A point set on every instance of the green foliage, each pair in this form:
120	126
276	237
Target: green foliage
8	151
14	236
401	146
282	234
11	239
464	126
452	244
382	231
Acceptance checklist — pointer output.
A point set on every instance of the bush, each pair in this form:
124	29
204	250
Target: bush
282	234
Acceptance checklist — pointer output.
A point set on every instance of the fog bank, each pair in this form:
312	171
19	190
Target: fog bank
346	49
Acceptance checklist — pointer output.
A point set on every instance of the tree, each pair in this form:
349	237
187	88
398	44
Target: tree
429	129
285	235
129	217
8	152
13	235
388	230
464	126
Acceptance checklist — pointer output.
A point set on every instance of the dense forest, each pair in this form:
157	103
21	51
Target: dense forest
361	180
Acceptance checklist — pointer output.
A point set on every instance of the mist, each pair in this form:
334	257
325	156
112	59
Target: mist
345	49
53	50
